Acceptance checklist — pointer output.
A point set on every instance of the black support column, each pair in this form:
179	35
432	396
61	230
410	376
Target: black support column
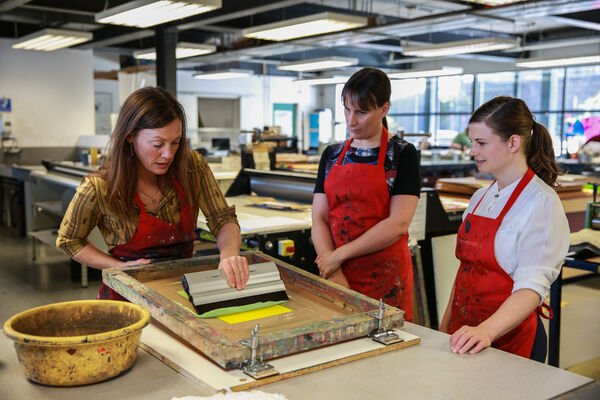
166	64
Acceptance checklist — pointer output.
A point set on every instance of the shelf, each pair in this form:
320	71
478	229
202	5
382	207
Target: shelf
55	179
46	236
53	207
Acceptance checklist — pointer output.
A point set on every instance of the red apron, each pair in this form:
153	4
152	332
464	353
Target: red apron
358	199
481	285
156	239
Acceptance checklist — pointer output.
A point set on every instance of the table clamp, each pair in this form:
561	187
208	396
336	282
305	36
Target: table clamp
379	334
255	366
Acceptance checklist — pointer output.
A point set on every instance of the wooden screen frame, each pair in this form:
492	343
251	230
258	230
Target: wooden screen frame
227	353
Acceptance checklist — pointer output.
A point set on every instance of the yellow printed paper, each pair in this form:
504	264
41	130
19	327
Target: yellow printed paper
254	314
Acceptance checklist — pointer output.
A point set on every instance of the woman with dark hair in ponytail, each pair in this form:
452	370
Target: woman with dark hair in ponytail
513	239
365	196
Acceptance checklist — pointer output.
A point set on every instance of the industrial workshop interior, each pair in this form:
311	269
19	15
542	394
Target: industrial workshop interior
198	200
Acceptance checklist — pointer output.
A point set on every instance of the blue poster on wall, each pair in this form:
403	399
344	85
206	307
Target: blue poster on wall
5	104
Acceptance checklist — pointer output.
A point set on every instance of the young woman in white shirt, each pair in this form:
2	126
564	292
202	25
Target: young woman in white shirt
513	238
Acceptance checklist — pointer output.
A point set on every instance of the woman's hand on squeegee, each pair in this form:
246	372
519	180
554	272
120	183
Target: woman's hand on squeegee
235	269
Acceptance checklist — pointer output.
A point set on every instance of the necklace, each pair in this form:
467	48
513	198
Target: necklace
148	195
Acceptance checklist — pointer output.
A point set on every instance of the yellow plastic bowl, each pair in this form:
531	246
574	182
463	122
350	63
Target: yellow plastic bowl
77	342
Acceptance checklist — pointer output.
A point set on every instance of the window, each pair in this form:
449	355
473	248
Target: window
455	94
552	122
409	96
583	88
542	90
492	85
565	100
409	106
408	123
582	107
579	127
453	122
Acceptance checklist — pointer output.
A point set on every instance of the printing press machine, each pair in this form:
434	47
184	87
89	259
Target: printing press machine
282	230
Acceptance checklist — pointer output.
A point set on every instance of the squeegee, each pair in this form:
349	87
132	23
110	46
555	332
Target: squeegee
207	290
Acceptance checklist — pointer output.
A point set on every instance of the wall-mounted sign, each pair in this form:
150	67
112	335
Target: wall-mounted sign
5	104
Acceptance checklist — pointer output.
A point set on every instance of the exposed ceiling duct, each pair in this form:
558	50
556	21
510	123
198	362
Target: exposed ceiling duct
393	25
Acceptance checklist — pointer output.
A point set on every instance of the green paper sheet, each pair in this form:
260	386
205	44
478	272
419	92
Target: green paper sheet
231	310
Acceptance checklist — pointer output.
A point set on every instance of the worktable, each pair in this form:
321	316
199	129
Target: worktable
256	220
263	228
425	371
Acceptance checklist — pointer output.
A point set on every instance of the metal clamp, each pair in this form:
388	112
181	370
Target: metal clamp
380	334
255	366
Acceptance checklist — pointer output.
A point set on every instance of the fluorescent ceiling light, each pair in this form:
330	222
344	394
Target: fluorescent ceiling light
52	39
322	81
444	71
145	13
557	62
183	50
309	25
461	47
224	74
318	64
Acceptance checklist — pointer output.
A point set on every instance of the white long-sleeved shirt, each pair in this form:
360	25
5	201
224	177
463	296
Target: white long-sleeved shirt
533	239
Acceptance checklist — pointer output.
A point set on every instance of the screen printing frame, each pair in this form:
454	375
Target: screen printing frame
228	353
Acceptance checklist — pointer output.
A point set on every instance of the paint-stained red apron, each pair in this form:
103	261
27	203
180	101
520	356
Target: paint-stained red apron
358	199
156	239
481	285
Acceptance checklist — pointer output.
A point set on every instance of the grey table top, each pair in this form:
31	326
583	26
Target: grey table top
425	371
20	172
430	371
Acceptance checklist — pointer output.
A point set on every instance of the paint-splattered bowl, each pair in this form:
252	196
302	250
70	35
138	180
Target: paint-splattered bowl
77	342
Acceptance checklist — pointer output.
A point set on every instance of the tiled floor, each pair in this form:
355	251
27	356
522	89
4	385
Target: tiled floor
25	284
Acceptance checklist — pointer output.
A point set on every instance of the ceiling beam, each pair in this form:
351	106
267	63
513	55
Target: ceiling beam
402	9
574	22
540	9
207	24
220	29
551	44
58	10
128	37
19	19
481	57
379	47
10	4
238	14
441	5
436	23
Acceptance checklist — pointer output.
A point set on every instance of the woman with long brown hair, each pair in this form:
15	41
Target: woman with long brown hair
145	199
513	238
